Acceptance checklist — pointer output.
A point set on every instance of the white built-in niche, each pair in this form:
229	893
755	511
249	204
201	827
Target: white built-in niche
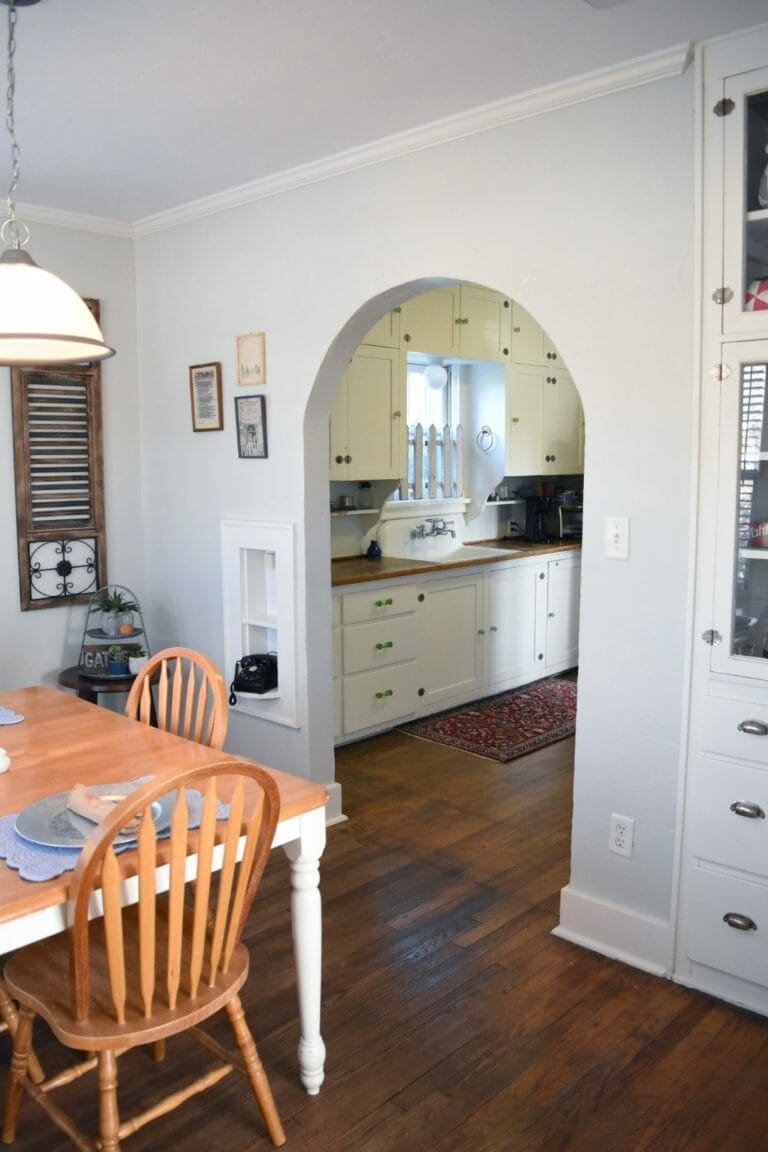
260	611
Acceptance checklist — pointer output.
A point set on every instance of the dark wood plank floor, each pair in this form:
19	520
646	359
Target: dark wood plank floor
454	1020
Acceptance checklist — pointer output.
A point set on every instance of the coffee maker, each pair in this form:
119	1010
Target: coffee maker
538	514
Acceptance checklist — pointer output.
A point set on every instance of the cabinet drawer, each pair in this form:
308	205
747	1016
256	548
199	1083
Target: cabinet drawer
721	733
713	942
379	697
376	645
377	603
723	836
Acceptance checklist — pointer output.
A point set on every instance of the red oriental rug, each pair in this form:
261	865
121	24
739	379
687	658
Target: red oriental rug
506	726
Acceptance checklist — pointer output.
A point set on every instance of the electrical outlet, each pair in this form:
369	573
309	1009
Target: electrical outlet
622	835
616	542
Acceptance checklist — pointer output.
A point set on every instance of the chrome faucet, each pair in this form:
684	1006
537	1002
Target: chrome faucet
438	526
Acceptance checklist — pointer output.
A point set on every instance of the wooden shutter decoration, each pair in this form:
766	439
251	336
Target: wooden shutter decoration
58	465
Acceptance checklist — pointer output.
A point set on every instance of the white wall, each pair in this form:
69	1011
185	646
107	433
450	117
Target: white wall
36	645
585	216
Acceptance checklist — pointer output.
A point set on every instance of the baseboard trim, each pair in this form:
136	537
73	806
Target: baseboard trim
644	942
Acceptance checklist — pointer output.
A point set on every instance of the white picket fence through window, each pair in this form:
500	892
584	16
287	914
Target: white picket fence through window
435	463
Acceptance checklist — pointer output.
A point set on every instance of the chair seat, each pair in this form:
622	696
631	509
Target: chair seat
38	976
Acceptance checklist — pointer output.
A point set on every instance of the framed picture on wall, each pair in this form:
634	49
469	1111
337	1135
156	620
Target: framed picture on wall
205	397
252	360
251	419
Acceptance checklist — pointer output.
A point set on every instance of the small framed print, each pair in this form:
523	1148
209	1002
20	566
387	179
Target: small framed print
251	419
252	360
205	397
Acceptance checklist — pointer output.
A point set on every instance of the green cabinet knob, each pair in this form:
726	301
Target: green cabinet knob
383	695
481	631
515	419
387	644
493	628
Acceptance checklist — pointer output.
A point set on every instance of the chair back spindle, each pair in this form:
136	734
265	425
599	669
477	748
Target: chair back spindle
187	935
189	699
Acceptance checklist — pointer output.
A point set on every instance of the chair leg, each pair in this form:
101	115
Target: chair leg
109	1117
10	1018
255	1071
22	1042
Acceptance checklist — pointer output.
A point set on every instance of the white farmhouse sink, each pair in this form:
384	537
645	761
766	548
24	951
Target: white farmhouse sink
475	552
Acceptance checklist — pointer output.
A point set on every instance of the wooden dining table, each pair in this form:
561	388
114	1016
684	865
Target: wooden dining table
62	741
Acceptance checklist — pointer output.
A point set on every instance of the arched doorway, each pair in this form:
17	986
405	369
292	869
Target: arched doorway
316	476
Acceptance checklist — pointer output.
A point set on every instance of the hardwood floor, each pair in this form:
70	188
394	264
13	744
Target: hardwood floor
454	1020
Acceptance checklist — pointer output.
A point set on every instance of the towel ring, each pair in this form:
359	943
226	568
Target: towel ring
486	439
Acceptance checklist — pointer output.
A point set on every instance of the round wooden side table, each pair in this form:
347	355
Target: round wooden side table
89	688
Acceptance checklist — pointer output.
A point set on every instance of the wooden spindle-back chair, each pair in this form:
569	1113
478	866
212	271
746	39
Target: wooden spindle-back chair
152	969
189	697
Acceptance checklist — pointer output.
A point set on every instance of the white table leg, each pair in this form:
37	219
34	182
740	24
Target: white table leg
306	920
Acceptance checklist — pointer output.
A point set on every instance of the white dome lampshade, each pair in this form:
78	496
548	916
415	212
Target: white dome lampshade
435	377
42	319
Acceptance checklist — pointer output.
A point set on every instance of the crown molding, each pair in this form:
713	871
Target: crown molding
80	222
631	74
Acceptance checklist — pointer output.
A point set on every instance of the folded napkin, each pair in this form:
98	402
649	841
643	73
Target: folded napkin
94	806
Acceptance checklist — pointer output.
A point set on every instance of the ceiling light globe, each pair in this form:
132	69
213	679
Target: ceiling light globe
435	377
42	319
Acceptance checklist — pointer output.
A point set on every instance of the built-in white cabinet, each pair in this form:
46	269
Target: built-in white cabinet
545	423
450	619
514	599
408	647
460	320
723	902
532	625
368	429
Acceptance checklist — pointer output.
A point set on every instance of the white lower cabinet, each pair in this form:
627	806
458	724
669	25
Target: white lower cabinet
561	642
450	651
406	648
514	603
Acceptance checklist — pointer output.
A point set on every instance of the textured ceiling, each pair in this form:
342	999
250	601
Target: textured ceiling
127	108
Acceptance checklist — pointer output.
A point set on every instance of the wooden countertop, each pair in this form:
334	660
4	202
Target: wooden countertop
360	570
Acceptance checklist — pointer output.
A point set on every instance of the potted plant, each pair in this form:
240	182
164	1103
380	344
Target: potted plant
117	661
137	658
117	611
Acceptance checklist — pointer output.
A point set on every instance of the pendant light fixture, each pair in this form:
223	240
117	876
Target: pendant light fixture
42	319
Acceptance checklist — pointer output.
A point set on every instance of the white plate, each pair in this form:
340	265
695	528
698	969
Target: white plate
50	823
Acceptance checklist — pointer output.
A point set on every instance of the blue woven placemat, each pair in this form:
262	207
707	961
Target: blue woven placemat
36	862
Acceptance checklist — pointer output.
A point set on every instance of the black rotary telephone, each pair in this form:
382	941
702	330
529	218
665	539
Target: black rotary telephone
254	674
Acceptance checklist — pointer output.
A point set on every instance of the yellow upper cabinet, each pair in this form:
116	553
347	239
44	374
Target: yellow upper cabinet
368	417
530	343
461	320
386	332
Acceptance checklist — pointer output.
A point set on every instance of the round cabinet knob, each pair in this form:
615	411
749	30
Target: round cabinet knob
406	338
543	575
421	597
506	303
540	656
421	692
551	615
481	631
339	459
493	628
347	459
516	329
515	419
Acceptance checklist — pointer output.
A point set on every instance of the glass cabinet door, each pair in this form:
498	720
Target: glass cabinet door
745	140
741	610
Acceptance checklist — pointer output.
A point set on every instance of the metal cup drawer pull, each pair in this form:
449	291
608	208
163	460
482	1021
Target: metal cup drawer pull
753	728
740	921
747	808
386	644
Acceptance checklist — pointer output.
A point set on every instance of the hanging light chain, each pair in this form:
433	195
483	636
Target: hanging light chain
13	231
